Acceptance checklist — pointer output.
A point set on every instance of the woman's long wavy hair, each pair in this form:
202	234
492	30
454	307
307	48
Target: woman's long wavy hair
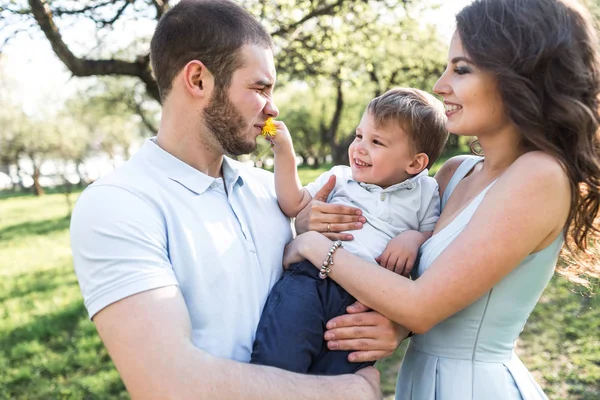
544	54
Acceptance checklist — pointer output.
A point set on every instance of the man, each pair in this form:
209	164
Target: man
176	251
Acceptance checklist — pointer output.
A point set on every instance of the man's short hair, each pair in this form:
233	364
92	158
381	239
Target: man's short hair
418	113
211	31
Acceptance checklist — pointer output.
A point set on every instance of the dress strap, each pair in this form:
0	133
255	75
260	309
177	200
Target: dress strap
463	169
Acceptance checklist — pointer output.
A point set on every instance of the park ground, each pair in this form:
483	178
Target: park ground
50	350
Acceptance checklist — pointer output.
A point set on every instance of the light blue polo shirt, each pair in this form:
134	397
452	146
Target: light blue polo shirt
156	221
410	205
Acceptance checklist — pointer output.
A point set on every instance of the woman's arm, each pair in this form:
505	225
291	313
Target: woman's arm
522	213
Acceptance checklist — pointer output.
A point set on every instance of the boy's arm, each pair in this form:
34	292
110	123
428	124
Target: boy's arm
292	198
401	252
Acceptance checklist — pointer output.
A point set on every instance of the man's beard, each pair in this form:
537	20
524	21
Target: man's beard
226	124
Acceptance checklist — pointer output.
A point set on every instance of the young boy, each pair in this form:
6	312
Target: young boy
400	135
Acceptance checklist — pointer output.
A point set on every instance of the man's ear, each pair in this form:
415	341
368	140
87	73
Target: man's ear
418	164
197	79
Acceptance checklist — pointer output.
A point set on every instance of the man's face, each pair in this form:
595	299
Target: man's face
236	115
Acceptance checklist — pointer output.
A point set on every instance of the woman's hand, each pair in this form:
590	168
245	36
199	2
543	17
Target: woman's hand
371	335
329	219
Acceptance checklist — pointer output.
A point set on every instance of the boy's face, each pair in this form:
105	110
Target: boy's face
379	155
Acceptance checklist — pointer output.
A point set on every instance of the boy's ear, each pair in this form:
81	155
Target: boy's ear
418	164
198	80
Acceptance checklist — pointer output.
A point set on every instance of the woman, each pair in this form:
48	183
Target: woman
523	77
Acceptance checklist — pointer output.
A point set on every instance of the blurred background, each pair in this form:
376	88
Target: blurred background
77	98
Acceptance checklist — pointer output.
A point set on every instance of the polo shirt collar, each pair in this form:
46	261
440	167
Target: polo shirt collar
185	174
407	184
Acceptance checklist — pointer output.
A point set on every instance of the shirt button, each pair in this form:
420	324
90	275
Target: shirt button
382	196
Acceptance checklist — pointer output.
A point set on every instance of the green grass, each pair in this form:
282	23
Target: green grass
48	347
50	350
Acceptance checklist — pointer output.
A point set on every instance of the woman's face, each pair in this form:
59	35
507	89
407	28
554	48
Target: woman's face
471	97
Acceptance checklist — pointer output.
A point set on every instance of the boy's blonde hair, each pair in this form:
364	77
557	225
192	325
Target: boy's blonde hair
421	115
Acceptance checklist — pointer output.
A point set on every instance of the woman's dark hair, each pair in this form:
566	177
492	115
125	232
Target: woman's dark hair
211	31
544	54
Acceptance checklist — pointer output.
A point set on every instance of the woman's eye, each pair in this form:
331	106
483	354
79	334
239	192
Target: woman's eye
461	70
377	142
357	136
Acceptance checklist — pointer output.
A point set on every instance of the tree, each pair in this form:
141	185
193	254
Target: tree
348	45
285	18
367	50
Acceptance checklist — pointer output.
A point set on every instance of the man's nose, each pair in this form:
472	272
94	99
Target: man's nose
271	109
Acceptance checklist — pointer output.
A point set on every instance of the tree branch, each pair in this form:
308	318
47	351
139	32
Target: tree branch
314	13
60	11
117	15
161	7
85	67
145	120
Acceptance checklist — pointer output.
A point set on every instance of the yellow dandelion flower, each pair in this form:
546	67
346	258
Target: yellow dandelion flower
269	130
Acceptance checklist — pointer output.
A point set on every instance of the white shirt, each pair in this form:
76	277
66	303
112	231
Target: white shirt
156	221
410	205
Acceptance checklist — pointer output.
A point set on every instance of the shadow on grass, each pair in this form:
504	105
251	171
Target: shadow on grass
38	282
10	194
61	346
43	227
46	326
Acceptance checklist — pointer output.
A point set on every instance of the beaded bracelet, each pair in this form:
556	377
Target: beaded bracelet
325	270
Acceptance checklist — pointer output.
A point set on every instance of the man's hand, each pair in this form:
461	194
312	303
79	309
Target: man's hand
371	335
401	252
329	219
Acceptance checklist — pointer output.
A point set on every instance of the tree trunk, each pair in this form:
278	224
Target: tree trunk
340	156
38	190
331	132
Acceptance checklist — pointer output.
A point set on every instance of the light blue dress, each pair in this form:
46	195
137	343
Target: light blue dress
470	354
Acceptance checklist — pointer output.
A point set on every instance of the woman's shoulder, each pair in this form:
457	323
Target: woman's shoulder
445	173
539	165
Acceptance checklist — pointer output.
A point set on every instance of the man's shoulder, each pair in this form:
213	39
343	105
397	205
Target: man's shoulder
130	181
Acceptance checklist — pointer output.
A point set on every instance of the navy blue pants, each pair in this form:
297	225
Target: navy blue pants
292	325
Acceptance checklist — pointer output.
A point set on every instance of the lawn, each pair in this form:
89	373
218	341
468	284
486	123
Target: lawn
49	349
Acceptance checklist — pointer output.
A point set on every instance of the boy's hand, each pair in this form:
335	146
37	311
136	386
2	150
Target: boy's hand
401	252
282	140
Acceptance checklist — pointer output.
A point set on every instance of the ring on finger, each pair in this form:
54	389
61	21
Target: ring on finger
328	227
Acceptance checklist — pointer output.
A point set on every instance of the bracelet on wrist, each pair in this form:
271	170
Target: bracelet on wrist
326	265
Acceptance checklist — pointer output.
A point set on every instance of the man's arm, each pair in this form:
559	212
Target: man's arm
148	336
